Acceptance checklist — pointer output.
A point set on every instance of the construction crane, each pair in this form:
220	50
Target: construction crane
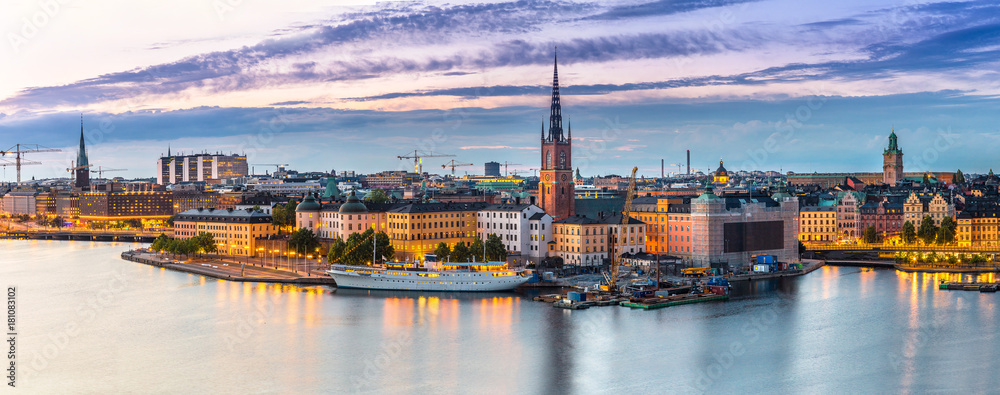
505	164
101	171
453	165
73	168
679	165
19	149
418	163
617	247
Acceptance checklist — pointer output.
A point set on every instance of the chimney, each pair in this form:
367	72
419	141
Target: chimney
689	161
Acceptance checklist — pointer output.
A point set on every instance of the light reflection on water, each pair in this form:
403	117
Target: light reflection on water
869	330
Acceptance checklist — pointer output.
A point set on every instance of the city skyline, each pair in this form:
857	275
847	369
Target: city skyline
644	81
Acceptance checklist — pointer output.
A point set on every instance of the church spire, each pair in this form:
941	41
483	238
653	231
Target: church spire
81	156
555	112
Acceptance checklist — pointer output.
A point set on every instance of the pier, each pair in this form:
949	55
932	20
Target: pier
229	270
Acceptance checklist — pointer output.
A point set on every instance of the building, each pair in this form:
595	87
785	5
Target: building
934	205
392	179
339	220
585	241
729	231
721	176
978	224
416	229
491	169
235	231
200	167
117	204
886	216
892	162
818	224
848	214
185	200
68	204
556	189
21	203
82	165
523	229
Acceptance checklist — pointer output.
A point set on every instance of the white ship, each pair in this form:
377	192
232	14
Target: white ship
466	276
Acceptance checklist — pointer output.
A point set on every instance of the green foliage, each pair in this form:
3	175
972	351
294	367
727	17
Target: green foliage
204	243
461	253
133	223
927	231
358	248
477	250
959	177
802	247
337	250
946	234
377	196
442	251
283	215
909	233
495	251
170	221
161	242
870	236
303	241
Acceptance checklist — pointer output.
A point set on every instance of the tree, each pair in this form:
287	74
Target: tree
802	247
909	233
283	215
946	233
926	180
476	249
255	208
460	253
161	242
383	247
870	236
354	254
204	243
170	221
927	231
495	249
337	250
377	196
442	252
303	241
959	178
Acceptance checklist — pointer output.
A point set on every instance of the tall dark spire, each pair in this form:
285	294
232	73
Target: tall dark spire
81	156
555	112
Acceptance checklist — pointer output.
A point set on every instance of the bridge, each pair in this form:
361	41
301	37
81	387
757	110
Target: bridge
86	235
901	248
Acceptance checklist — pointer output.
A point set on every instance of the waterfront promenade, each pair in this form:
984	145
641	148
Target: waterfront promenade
232	270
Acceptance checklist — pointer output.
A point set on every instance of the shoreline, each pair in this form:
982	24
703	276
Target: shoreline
911	268
221	270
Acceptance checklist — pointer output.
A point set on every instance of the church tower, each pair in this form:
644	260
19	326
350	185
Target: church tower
82	164
556	190
892	162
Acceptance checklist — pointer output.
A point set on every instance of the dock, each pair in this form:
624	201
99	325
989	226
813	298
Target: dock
675	300
960	286
229	271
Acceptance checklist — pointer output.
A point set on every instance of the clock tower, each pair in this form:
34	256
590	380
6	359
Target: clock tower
556	190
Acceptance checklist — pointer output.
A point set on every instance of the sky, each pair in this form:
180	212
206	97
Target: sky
784	85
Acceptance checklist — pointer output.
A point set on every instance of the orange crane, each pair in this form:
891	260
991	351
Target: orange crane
505	164
19	149
453	165
617	247
418	163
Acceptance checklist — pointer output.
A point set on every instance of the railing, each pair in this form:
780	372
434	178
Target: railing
891	247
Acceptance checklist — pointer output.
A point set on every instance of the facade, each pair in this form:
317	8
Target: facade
339	220
119	205
491	169
201	167
21	203
818	224
584	241
556	189
731	230
884	215
513	224
235	231
68	204
721	175
185	200
849	215
416	229
934	205
392	179
978	224
892	162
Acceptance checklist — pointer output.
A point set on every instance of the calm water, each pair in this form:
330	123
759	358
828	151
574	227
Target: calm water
93	323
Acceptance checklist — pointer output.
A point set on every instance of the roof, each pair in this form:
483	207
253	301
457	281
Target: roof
506	207
308	204
227	215
609	219
537	216
413	208
353	205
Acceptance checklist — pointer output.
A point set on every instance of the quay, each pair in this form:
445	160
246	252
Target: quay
973	286
918	267
230	271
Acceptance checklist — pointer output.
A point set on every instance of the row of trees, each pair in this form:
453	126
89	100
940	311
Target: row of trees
283	215
357	250
940	258
203	243
928	233
494	250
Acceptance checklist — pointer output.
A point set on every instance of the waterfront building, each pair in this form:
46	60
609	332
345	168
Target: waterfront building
45	203
416	229
116	204
731	230
20	202
935	205
885	215
235	231
978	223
68	204
524	229
585	241
818	224
174	169
556	189
338	220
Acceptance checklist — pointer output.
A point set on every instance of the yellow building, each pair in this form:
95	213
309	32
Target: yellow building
721	175
818	224
656	214
235	231
583	241
978	228
934	205
417	229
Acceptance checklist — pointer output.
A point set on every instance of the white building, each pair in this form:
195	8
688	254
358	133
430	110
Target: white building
523	228
17	203
202	167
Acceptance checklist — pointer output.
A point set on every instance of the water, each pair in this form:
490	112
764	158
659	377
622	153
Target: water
90	322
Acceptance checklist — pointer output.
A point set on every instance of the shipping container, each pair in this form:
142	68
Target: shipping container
577	296
762	268
766	258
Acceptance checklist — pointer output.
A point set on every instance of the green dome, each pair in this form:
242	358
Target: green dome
709	194
353	205
308	204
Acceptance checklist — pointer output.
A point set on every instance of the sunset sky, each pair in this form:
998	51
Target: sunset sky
785	85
